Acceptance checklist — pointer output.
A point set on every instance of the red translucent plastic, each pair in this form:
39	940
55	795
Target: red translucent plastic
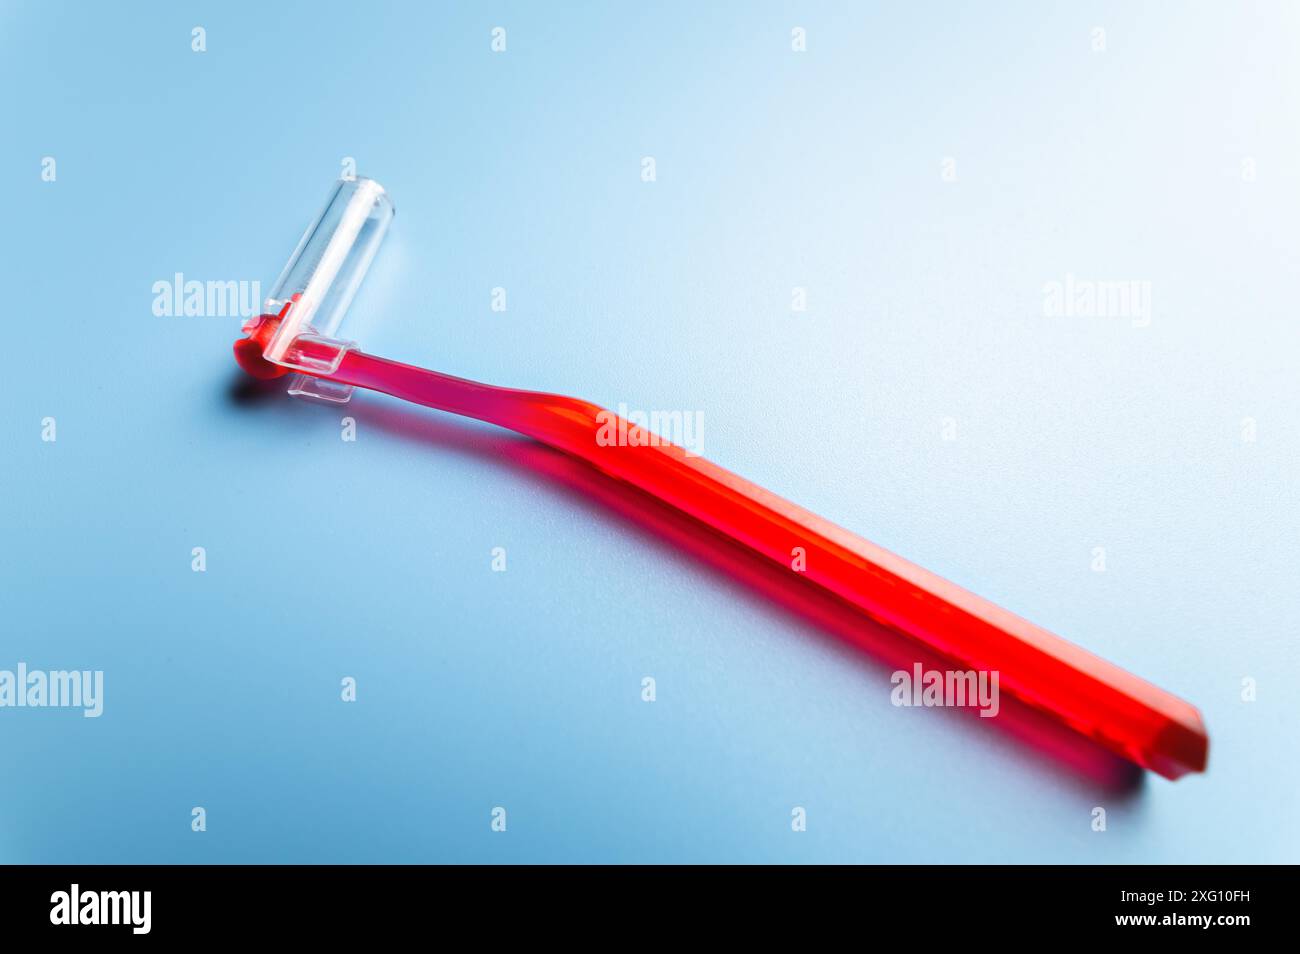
1125	714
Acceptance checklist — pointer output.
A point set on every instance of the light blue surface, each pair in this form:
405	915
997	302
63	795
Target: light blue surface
522	170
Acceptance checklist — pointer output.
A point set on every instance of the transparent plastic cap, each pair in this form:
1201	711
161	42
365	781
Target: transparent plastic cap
313	293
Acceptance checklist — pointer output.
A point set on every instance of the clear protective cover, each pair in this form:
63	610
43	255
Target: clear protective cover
313	293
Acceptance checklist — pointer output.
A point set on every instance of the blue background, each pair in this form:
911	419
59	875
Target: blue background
522	169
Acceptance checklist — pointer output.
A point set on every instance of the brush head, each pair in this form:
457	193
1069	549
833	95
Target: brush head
248	351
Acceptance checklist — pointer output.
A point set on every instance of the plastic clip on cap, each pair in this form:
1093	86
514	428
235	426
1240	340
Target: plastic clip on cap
312	294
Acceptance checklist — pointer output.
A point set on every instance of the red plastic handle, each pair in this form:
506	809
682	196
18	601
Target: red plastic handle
1126	714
